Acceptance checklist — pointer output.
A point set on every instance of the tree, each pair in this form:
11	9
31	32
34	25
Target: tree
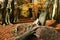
43	14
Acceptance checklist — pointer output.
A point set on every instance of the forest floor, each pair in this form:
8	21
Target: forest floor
5	30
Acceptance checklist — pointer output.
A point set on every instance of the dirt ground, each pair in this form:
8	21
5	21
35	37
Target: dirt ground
5	32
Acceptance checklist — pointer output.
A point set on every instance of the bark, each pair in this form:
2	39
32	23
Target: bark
43	15
54	8
25	35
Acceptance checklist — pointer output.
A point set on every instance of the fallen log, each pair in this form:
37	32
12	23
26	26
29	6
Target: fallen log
41	32
25	35
47	33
